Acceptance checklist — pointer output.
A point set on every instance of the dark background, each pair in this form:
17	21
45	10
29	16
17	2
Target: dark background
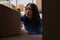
51	19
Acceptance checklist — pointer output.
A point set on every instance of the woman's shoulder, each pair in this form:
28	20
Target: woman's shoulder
23	16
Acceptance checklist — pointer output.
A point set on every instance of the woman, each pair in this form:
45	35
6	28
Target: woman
31	19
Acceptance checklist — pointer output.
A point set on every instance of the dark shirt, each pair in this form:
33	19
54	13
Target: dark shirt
28	25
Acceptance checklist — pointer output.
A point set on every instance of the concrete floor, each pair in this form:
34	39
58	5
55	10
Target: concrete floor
23	37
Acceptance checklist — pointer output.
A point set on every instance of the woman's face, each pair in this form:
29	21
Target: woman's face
28	11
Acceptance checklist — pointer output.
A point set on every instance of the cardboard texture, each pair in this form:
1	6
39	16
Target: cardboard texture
9	21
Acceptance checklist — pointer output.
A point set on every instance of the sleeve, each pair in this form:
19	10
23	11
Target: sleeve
22	18
40	22
40	26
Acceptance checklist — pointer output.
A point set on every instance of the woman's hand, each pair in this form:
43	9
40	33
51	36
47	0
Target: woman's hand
23	32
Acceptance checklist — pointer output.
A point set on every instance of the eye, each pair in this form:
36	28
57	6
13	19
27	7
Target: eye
26	9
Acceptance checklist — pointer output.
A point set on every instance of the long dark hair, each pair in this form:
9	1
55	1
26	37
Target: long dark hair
35	15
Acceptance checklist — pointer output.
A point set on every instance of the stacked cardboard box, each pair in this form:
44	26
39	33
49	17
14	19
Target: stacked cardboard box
9	21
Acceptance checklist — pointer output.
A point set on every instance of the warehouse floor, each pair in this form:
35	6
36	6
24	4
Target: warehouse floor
23	37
